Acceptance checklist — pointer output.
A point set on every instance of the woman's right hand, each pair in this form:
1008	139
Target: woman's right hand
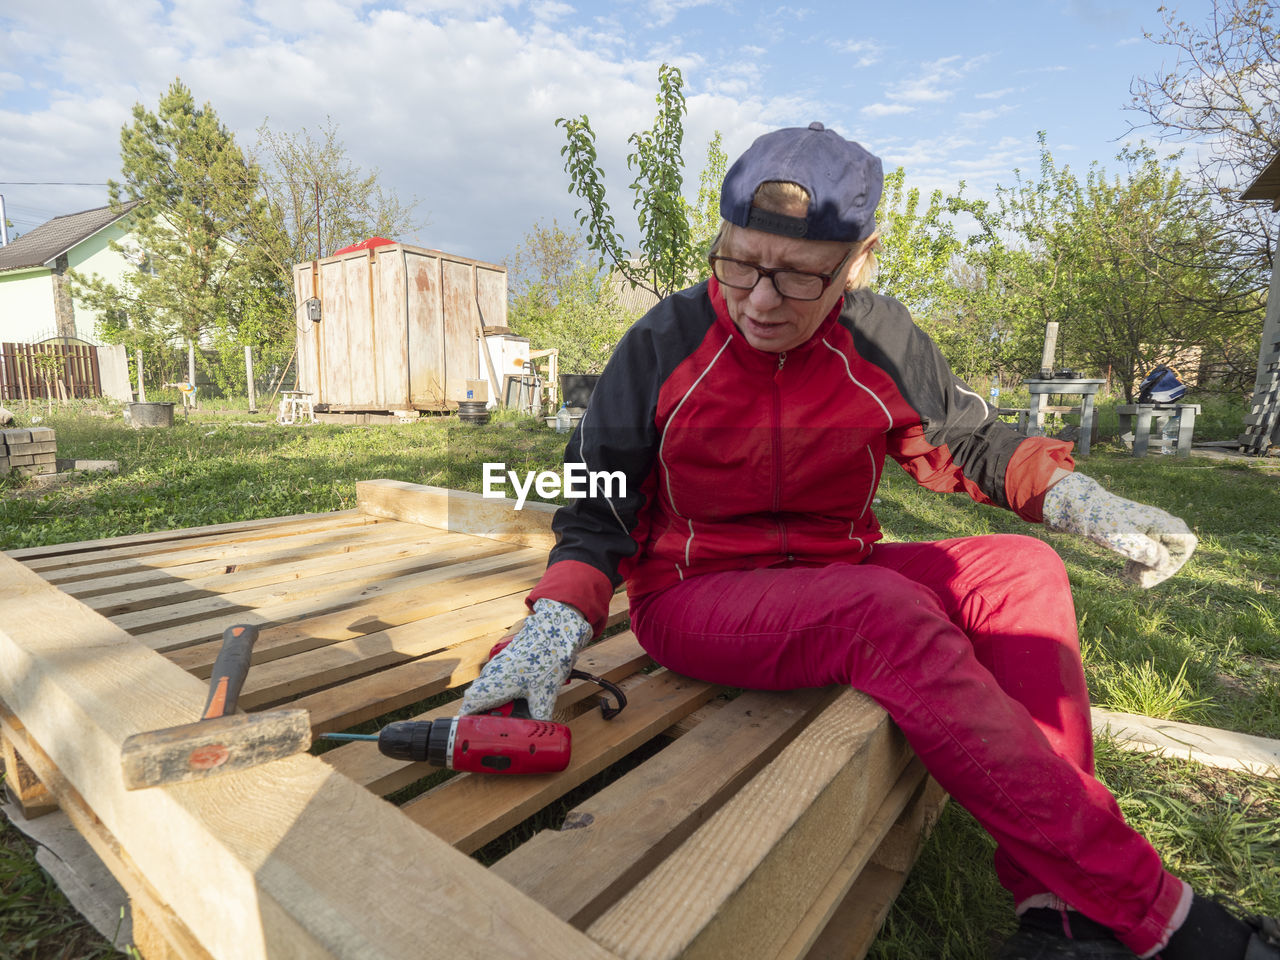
535	664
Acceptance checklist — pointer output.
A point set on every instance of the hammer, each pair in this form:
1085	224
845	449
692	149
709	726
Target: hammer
221	740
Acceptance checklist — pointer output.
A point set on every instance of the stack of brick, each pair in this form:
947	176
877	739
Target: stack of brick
28	452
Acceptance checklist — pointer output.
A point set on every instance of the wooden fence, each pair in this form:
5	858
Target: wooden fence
70	372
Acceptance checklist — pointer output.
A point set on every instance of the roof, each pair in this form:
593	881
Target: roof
47	242
1267	185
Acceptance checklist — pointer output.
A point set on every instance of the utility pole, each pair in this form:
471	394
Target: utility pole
4	224
319	248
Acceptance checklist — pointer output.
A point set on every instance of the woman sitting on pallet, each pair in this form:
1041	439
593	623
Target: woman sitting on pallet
751	416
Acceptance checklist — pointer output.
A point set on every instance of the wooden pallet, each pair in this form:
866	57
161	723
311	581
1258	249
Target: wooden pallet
776	825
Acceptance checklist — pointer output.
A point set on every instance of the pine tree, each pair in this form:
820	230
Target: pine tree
195	197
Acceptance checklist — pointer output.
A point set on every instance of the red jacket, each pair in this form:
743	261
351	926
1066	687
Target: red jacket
735	458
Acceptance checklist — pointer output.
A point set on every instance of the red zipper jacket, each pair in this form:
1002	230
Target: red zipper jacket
733	458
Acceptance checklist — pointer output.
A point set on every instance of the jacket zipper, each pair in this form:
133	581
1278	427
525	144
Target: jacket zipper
777	458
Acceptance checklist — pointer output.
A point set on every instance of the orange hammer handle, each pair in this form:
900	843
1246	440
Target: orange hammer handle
229	670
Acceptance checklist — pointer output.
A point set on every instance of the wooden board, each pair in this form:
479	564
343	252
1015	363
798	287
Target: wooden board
288	859
743	830
1189	741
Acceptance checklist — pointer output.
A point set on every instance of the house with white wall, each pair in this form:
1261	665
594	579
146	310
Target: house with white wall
35	292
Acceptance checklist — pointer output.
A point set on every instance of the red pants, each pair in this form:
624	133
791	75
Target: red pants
971	647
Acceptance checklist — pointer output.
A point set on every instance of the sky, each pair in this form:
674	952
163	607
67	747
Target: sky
454	102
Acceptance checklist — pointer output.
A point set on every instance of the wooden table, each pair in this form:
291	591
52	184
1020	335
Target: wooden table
1138	421
1042	389
808	802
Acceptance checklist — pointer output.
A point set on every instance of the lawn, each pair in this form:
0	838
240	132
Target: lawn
1203	647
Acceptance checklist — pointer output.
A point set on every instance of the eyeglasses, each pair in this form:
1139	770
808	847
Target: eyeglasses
792	284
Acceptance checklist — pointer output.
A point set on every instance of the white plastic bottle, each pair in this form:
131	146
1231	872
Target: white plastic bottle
563	420
1170	433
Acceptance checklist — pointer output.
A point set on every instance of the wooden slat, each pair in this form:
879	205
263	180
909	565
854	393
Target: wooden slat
232	558
634	823
469	811
776	842
480	622
288	859
855	923
458	511
478	585
366	609
289	570
895	830
20	781
167	928
141	544
328	590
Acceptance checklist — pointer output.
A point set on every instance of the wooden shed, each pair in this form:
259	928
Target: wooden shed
395	327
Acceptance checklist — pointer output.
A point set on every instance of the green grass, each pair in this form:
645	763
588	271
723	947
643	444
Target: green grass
1203	647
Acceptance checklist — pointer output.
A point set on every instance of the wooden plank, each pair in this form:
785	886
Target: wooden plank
458	511
41	558
391	317
469	811
740	884
226	558
288	569
365	609
898	824
325	591
483	582
1189	741
20	781
166	927
613	659
367	697
856	922
278	680
631	825
289	859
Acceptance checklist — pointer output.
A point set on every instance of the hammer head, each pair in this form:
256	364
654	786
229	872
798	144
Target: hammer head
207	748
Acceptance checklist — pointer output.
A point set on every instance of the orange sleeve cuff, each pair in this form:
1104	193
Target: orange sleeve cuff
578	584
1027	478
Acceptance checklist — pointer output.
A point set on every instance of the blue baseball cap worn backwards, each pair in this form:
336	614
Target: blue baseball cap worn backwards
844	182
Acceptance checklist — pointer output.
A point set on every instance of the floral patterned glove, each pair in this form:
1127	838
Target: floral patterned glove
535	664
1155	543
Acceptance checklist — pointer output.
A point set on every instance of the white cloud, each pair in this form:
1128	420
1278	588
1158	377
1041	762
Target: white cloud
886	109
980	117
935	81
866	53
995	94
456	111
664	11
548	10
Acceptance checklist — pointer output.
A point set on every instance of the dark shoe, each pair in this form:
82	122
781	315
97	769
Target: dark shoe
1045	934
1265	942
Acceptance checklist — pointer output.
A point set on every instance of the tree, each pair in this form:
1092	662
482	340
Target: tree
196	198
670	255
315	201
560	301
1130	267
308	176
1221	94
918	256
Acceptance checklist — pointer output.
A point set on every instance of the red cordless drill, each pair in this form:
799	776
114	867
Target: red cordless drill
502	740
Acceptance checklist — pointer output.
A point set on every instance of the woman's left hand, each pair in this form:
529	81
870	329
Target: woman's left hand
1155	543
